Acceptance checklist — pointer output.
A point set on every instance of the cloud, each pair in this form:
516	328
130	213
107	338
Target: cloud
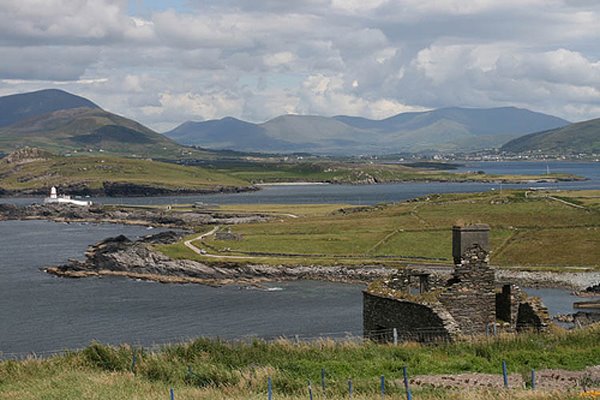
256	60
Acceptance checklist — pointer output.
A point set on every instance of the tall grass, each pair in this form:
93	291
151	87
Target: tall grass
217	369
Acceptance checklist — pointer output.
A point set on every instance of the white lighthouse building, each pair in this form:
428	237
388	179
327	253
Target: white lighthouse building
64	199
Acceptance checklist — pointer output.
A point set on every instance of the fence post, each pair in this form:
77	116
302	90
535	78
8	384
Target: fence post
269	388
310	395
487	329
323	381
532	379
504	374
349	388
172	392
382	387
395	332
495	329
406	386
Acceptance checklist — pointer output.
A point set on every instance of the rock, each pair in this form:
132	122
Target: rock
137	259
26	155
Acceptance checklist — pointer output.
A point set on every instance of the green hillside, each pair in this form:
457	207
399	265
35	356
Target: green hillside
85	130
533	230
581	137
30	171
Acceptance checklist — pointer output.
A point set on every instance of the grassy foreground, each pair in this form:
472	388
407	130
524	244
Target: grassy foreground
211	369
529	229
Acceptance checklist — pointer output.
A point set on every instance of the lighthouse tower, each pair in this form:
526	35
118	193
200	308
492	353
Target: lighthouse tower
53	193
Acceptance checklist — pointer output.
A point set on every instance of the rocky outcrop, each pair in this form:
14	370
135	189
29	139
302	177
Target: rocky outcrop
26	155
138	259
122	215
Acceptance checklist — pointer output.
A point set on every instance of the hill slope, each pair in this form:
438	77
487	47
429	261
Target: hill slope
18	107
581	137
32	171
448	129
60	122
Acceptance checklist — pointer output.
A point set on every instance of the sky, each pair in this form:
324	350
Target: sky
166	62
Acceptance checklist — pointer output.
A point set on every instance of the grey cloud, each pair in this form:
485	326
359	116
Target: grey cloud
45	63
370	57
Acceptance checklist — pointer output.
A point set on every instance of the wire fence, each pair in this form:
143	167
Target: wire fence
330	385
380	335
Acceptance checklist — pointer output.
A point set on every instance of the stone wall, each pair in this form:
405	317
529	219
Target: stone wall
471	294
533	315
413	321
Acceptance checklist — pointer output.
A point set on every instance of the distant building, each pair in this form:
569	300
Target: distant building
64	199
416	306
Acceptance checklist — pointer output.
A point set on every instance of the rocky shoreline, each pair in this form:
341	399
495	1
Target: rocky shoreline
122	215
138	259
119	256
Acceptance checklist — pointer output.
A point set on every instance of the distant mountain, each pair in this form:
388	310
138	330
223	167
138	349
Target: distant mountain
17	107
581	137
60	122
447	129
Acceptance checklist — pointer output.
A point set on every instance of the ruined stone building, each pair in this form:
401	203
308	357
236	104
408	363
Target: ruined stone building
425	307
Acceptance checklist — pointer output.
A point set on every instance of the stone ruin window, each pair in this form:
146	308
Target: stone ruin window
418	284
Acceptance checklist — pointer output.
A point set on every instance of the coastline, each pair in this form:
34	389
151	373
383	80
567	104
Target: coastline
139	259
117	189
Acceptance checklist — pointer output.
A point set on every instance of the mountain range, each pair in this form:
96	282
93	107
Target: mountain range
447	130
64	123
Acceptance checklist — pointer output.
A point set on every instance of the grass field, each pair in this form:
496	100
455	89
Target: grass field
528	230
93	171
210	369
360	172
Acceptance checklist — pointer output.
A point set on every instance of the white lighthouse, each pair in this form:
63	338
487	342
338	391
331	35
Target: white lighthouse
64	199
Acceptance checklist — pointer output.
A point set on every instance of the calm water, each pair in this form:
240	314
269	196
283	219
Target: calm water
372	194
39	312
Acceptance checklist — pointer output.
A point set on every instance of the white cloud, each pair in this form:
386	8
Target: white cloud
256	60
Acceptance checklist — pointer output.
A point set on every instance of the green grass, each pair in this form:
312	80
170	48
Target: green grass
239	370
532	232
92	172
347	172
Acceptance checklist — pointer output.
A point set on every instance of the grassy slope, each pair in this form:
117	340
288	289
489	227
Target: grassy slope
533	231
66	131
338	172
93	171
223	370
581	137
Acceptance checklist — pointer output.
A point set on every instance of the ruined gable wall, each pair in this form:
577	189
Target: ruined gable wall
413	321
470	297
